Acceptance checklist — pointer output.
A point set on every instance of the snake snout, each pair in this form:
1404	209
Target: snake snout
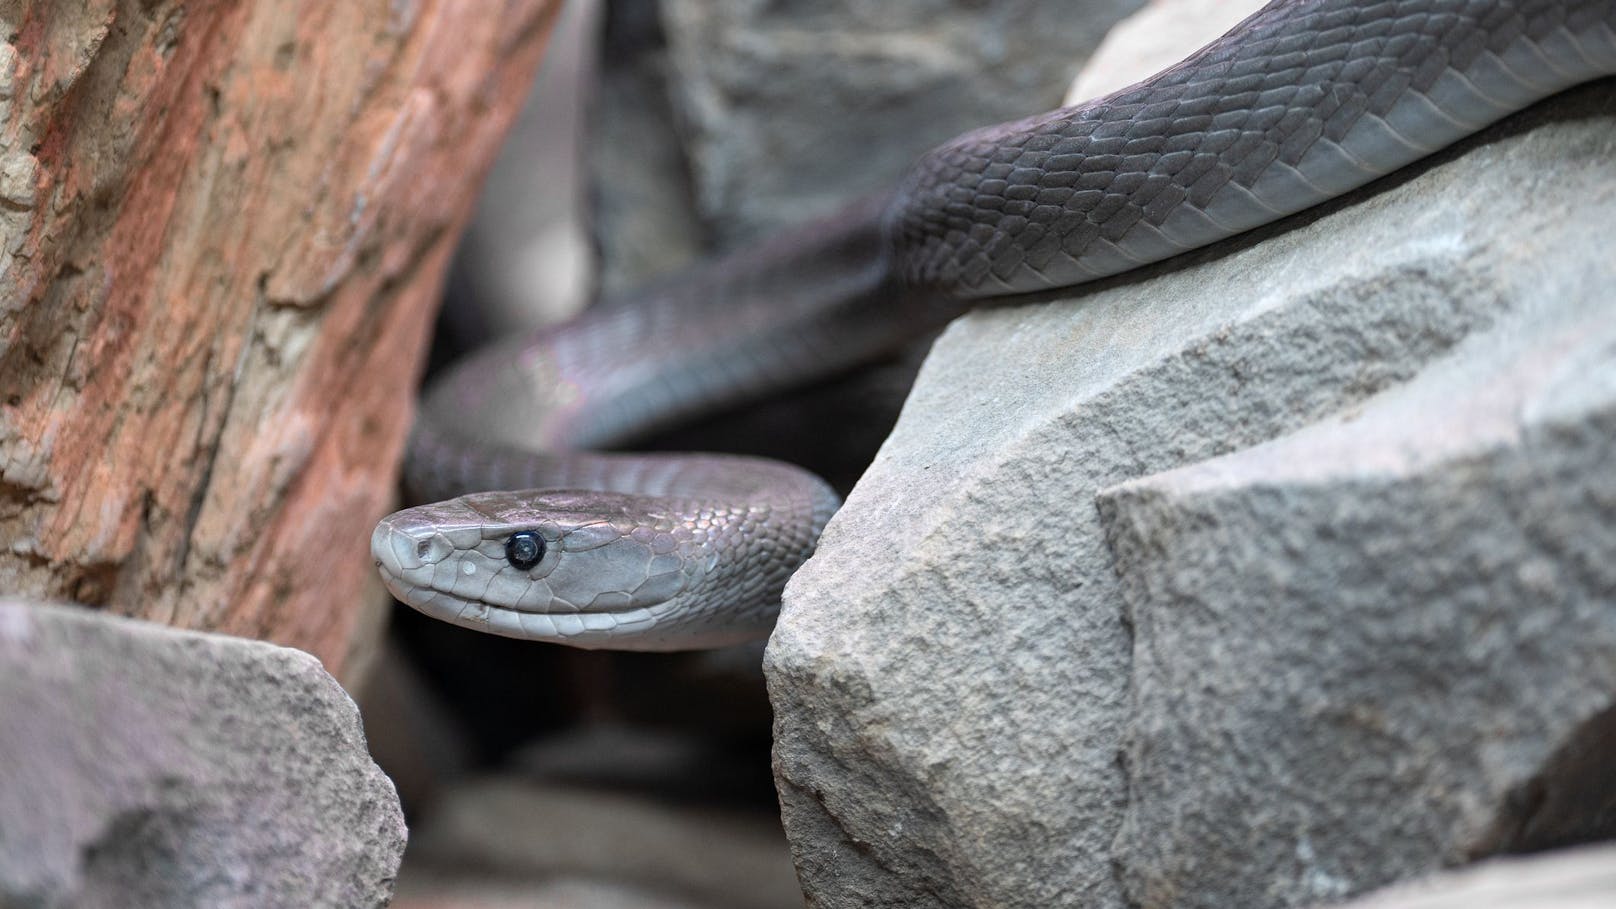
406	542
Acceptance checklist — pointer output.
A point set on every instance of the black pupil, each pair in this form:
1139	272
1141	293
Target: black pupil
524	549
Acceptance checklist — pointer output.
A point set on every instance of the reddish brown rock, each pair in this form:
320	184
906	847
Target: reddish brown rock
226	226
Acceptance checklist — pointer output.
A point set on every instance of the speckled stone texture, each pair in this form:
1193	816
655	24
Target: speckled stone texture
144	766
1262	578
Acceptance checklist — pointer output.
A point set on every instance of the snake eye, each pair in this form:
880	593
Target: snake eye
524	549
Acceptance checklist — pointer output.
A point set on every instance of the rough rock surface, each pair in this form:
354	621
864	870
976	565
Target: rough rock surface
150	767
225	229
1406	610
1570	879
794	107
1332	650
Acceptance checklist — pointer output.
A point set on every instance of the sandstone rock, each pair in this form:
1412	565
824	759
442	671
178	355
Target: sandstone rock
794	108
1570	879
1370	615
150	767
225	230
1386	641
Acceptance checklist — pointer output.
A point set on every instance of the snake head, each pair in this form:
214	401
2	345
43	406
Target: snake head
584	568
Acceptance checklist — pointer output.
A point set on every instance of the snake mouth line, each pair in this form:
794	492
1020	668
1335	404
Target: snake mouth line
578	628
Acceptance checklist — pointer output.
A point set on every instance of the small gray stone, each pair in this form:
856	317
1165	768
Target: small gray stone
481	892
512	829
793	108
955	675
143	766
1570	879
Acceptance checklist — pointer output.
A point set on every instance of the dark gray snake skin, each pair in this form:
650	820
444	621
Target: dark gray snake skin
1301	102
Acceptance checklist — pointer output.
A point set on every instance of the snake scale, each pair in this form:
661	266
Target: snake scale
1301	102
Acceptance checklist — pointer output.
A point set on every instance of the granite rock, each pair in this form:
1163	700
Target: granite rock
145	766
1265	576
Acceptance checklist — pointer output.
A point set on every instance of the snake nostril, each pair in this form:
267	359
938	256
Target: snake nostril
412	551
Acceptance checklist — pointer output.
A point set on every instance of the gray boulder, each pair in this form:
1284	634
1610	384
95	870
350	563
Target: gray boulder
791	108
1268	576
144	766
1386	641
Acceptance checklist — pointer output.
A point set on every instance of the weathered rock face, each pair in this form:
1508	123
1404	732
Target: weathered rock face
1571	879
226	225
1406	610
1262	579
794	107
150	767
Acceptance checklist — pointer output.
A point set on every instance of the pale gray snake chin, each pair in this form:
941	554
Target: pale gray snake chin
1301	102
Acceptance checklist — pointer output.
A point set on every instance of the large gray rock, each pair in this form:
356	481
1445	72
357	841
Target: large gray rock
1372	620
143	766
1387	641
1570	879
794	107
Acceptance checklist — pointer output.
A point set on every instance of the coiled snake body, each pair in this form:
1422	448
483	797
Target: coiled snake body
1301	102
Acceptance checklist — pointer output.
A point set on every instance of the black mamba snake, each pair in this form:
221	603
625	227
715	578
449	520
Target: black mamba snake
1301	102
